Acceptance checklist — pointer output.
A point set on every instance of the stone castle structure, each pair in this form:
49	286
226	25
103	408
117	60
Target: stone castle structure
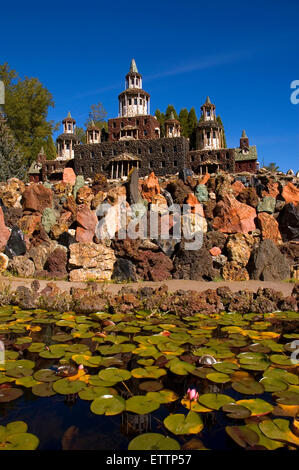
133	140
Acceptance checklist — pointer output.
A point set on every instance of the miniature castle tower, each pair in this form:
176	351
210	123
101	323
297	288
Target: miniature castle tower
172	127
209	132
93	134
134	100
244	141
67	140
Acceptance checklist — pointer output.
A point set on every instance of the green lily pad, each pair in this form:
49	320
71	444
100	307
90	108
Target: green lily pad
282	374
18	372
248	386
45	375
108	405
180	367
16	427
236	411
153	441
149	372
112	374
194	406
20	441
91	393
273	384
142	404
215	401
36	347
44	389
279	430
257	406
264	441
10	394
242	435
151	386
282	360
65	386
27	382
225	367
287	397
180	424
218	377
164	396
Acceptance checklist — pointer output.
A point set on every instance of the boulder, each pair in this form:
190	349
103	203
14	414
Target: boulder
12	215
29	223
204	179
233	217
69	176
288	221
37	197
56	263
201	193
267	263
290	193
214	238
22	266
269	227
40	253
83	275
249	196
78	184
272	189
237	187
193	264
4	231
4	259
233	271
178	190
11	193
124	270
238	247
150	187
84	196
16	245
267	204
87	221
48	219
133	186
92	255
99	183
153	266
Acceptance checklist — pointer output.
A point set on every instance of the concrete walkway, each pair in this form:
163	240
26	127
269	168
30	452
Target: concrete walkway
173	285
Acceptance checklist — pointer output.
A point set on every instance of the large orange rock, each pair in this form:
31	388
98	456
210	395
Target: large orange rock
85	195
69	176
196	207
272	189
290	193
233	217
238	187
29	223
87	221
150	187
36	198
4	231
204	179
269	227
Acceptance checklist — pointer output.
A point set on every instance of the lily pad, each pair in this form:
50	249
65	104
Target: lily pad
112	374
164	396
10	394
149	372
65	386
218	377
153	441
45	375
180	367
248	386
242	435
180	424
257	406
236	411
278	429
151	386
215	401
91	393
44	389
142	404
108	405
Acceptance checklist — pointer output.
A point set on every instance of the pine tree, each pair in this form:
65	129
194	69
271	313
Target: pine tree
183	118
170	109
11	159
161	119
218	119
50	149
192	124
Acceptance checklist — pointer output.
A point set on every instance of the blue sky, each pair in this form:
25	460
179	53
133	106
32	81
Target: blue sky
244	55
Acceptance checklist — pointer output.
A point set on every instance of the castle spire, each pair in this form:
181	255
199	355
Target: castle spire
133	66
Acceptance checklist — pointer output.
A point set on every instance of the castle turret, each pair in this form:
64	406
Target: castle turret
67	140
172	127
209	132
244	141
134	100
93	134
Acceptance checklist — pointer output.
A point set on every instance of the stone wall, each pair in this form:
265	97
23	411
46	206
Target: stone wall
163	156
146	126
225	158
250	166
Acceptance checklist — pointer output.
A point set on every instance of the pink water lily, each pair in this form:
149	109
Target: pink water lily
81	366
192	394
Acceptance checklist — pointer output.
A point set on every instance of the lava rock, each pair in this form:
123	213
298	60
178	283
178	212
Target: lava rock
124	270
267	263
288	221
16	245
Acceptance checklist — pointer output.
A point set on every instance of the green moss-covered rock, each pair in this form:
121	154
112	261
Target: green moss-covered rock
78	184
267	204
201	193
48	219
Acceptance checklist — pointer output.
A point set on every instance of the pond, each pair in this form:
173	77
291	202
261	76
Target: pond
148	380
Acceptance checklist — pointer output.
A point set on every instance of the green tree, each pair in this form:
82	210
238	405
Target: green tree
81	134
11	158
26	108
50	149
219	120
183	118
97	114
170	109
161	119
192	124
271	167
